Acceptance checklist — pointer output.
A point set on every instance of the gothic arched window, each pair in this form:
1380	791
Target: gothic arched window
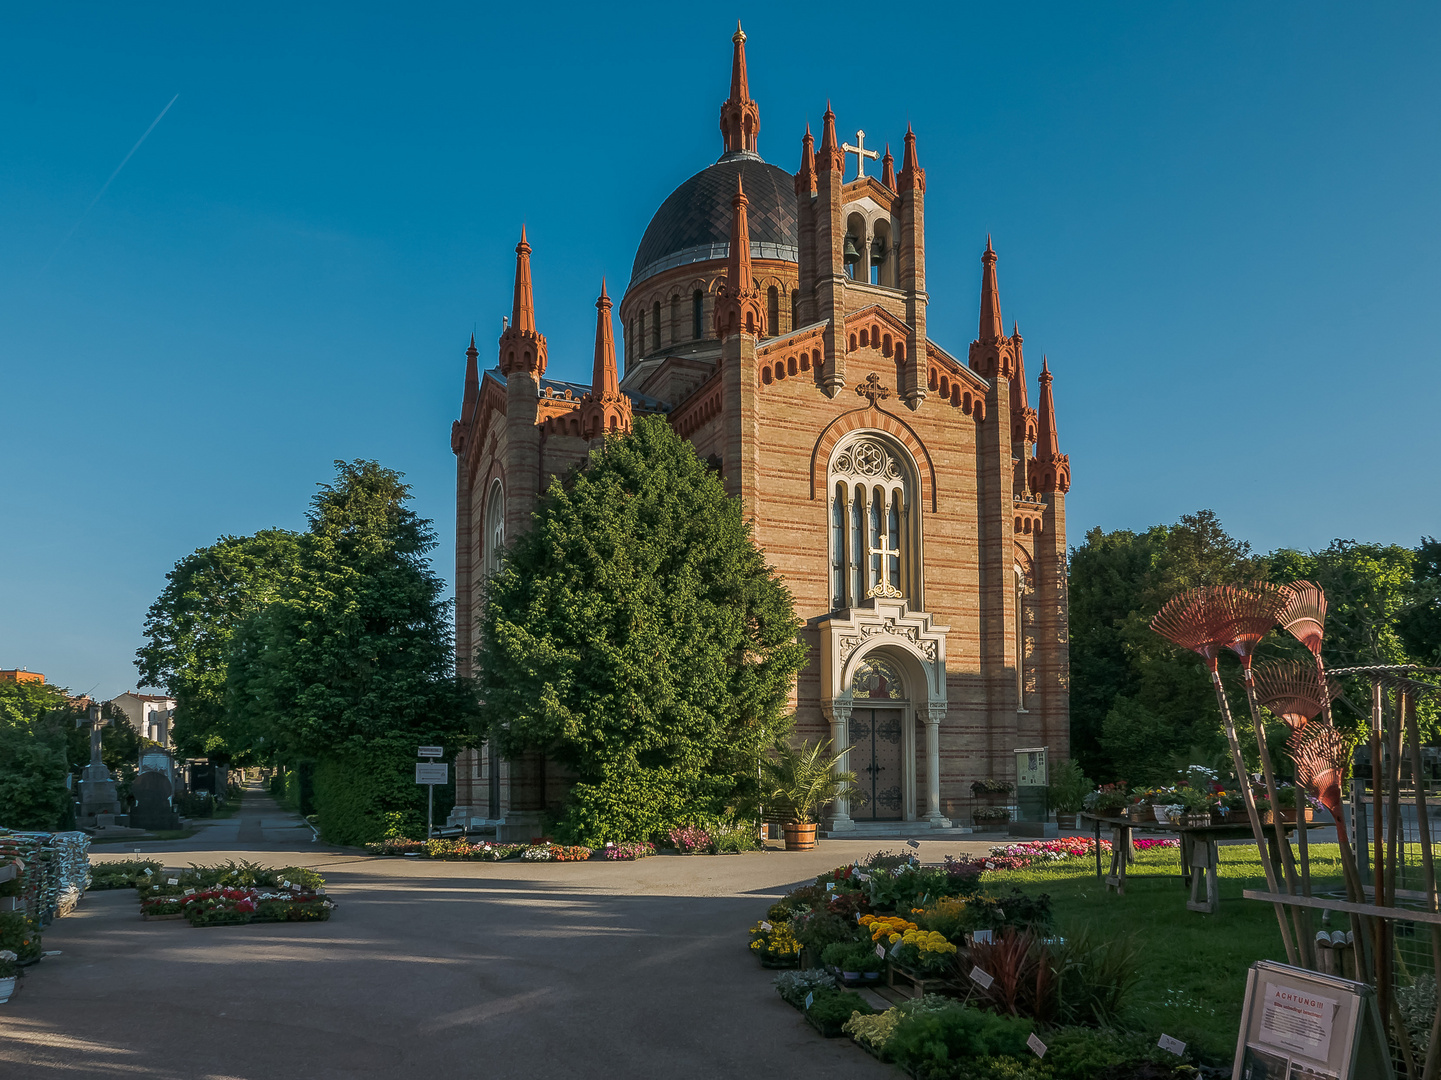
875	521
493	539
655	327
697	315
773	312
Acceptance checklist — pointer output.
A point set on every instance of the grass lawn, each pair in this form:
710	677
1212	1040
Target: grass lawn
1193	966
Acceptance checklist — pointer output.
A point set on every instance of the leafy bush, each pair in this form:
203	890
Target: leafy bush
802	899
122	875
32	780
906	887
935	1040
1085	1053
853	956
1069	787
818	928
20	934
793	986
1094	975
876	1031
830	1009
632	808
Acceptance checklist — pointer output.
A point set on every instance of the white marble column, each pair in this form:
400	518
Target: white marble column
839	712
935	713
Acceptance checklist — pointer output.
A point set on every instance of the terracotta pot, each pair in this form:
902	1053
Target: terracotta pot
800	837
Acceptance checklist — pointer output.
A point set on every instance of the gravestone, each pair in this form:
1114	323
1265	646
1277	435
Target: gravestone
153	809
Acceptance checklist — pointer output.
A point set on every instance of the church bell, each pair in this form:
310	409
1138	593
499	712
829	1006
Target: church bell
852	251
878	252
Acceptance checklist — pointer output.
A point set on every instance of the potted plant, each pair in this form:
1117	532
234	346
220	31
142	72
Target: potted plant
991	818
1197	806
9	973
803	780
1067	792
1109	800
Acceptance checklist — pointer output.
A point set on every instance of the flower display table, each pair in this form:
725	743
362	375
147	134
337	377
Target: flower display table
1199	853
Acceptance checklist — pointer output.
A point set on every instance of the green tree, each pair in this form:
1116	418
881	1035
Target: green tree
207	596
636	636
1420	624
352	664
33	766
1140	708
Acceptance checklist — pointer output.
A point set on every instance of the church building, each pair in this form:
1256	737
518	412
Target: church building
909	493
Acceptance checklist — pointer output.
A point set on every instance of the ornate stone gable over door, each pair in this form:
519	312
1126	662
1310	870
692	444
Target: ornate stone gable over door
910	641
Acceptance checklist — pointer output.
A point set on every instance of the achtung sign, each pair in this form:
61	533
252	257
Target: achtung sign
430	772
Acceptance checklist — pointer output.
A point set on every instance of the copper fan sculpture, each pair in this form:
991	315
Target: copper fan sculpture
1209	620
1290	690
1304	618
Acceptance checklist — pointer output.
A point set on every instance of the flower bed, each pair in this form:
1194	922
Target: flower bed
621	852
548	852
236	907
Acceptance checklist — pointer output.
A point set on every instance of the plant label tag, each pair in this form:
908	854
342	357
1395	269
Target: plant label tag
881	951
1037	1047
172	881
981	979
809	998
766	927
983	937
1175	1046
896	948
913	843
285	884
859	916
864	877
148	871
189	892
830	886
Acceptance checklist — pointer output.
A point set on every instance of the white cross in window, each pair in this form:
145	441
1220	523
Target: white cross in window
861	153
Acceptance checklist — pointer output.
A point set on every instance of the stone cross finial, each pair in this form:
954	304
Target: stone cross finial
861	153
871	388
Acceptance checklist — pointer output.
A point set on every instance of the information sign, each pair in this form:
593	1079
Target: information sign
430	751
1302	1024
430	772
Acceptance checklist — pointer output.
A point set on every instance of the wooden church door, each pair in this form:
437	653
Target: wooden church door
876	743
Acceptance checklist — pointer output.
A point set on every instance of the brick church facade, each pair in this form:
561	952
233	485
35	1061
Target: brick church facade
914	501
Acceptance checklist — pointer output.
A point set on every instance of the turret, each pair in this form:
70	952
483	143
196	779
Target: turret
738	306
472	382
605	408
830	255
806	232
522	348
1050	469
992	354
912	190
740	118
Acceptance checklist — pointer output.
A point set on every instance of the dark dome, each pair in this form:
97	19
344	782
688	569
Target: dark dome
694	224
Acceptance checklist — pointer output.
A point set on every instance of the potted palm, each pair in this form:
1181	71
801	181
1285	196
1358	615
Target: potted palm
802	781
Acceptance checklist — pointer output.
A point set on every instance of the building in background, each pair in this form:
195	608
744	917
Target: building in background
149	714
909	493
20	675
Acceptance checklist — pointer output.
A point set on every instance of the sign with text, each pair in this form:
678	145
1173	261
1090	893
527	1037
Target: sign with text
1301	1024
431	772
430	751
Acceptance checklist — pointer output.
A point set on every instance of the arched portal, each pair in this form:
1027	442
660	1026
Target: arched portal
883	672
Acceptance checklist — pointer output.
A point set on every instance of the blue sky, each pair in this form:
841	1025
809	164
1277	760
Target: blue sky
1219	221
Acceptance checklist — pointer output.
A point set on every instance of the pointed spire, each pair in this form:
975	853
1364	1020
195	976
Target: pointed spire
1020	402
830	155
888	169
604	380
522	311
472	380
739	268
991	326
740	119
806	174
1047	446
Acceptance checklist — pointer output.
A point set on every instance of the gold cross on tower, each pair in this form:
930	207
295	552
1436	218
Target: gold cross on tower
861	153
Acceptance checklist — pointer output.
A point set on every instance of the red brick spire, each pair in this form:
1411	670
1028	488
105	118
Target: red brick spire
740	118
522	309
605	408
738	302
472	380
806	175
912	175
991	328
1050	469
888	169
521	347
830	156
1019	401
604	381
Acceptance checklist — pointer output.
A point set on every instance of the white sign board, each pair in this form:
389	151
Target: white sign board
430	751
1298	1023
430	772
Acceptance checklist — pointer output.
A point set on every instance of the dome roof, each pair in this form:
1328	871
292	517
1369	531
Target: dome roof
694	224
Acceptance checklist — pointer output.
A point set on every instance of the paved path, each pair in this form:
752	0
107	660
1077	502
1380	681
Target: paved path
430	969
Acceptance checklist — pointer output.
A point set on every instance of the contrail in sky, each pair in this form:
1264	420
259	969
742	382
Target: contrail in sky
107	183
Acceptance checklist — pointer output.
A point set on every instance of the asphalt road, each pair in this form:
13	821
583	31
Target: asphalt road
431	969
